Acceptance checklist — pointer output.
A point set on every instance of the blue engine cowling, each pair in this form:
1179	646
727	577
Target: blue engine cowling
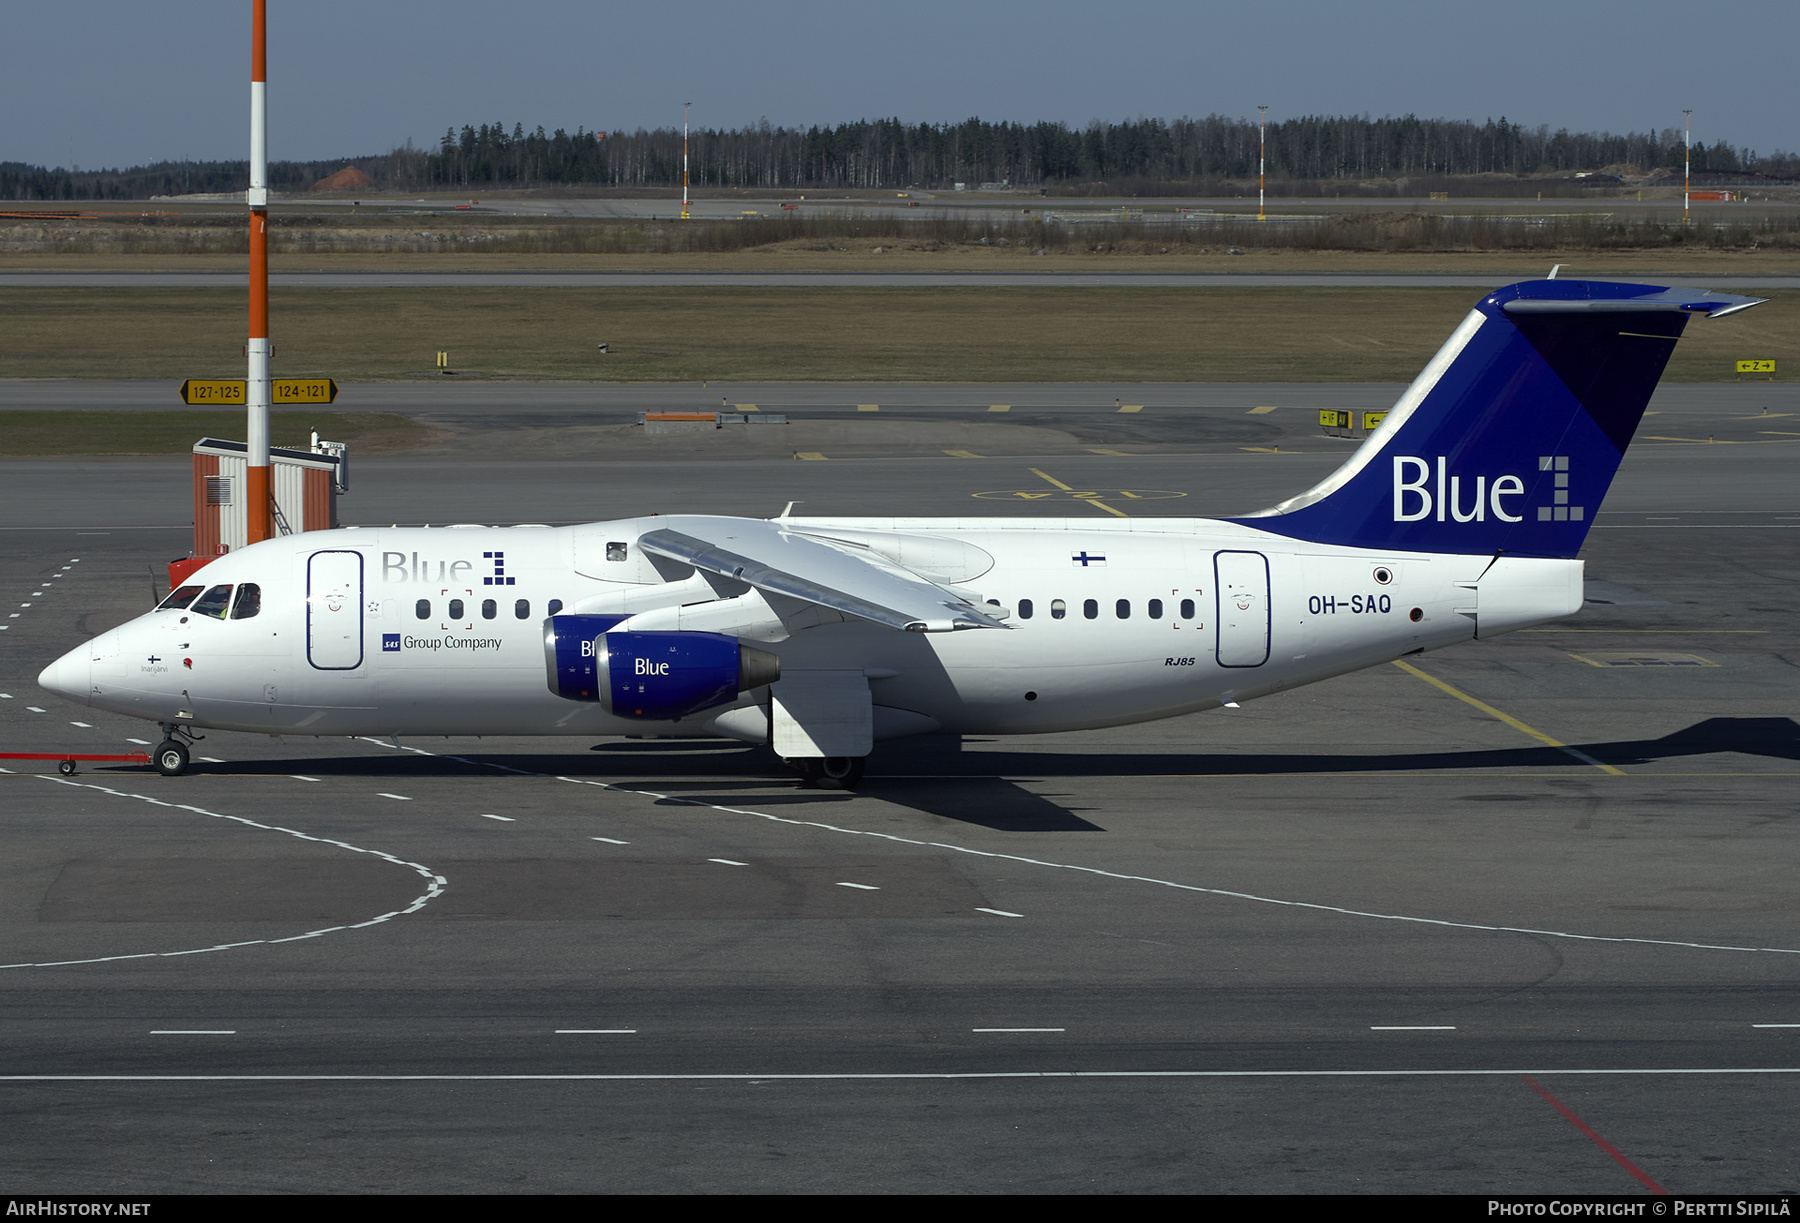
652	676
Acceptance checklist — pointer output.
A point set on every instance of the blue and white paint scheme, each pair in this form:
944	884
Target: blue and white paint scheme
1461	517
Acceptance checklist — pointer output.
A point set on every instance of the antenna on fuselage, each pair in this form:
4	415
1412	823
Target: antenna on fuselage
788	512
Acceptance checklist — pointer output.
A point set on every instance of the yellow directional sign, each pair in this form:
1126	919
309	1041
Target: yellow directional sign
1756	367
1329	419
230	391
304	390
213	391
1372	421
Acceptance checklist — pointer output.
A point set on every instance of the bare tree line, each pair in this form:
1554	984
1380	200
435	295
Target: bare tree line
1141	156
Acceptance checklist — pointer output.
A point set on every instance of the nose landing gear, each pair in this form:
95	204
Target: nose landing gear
171	756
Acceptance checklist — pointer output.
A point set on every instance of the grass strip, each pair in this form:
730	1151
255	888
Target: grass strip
1051	333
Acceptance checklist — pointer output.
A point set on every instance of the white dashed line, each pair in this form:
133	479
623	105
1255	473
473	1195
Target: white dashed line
1416	1027
596	1031
1018	1029
609	840
193	1031
1196	889
212	760
403	798
861	887
34	709
1775	1025
727	862
295	776
140	742
83	725
5	696
503	818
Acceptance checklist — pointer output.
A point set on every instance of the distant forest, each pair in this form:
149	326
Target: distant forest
1137	157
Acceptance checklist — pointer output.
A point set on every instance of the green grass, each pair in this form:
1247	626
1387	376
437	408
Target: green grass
751	334
47	433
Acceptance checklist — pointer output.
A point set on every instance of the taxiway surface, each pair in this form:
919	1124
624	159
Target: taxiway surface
1345	938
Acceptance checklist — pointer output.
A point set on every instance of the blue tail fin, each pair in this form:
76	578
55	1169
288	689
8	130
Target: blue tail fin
1510	437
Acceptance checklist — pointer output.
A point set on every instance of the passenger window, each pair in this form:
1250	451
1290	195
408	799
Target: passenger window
615	551
1024	609
1058	609
180	598
456	609
489	609
522	608
555	606
1123	609
249	601
1187	609
1155	609
1090	608
422	609
212	603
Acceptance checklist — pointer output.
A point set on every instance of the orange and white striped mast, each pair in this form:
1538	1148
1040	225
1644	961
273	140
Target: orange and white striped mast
259	487
684	163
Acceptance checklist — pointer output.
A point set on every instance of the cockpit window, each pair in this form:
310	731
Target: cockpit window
212	603
180	598
249	601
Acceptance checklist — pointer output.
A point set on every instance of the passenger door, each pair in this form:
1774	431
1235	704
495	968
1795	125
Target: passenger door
334	611
1241	582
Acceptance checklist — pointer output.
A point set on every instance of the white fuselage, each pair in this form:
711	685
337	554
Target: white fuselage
440	631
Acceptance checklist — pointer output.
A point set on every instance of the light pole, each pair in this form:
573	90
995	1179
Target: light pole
684	159
1687	162
1262	155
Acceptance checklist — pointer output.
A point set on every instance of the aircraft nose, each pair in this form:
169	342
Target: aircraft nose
71	675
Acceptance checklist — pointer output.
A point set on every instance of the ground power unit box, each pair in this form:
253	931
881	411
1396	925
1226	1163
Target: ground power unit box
305	485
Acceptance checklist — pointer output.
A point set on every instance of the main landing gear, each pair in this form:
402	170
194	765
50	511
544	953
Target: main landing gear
171	755
829	772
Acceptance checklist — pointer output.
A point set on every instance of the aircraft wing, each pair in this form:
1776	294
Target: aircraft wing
773	557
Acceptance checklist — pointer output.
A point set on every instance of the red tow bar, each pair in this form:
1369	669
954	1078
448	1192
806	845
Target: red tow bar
66	760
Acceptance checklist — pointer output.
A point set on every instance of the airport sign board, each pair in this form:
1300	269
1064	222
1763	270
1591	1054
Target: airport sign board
229	392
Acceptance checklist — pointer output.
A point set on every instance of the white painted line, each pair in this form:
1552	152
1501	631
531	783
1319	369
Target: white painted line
861	887
403	798
140	742
295	776
12	615
1417	1027
34	709
212	760
4	627
505	819
1018	1029
892	1076
609	840
193	1031
5	696
596	1031
1775	1025
997	912
83	725
727	862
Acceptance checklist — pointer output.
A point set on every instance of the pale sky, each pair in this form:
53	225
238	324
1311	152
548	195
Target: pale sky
112	83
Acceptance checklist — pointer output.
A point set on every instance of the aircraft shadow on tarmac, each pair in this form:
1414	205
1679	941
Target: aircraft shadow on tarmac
937	776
